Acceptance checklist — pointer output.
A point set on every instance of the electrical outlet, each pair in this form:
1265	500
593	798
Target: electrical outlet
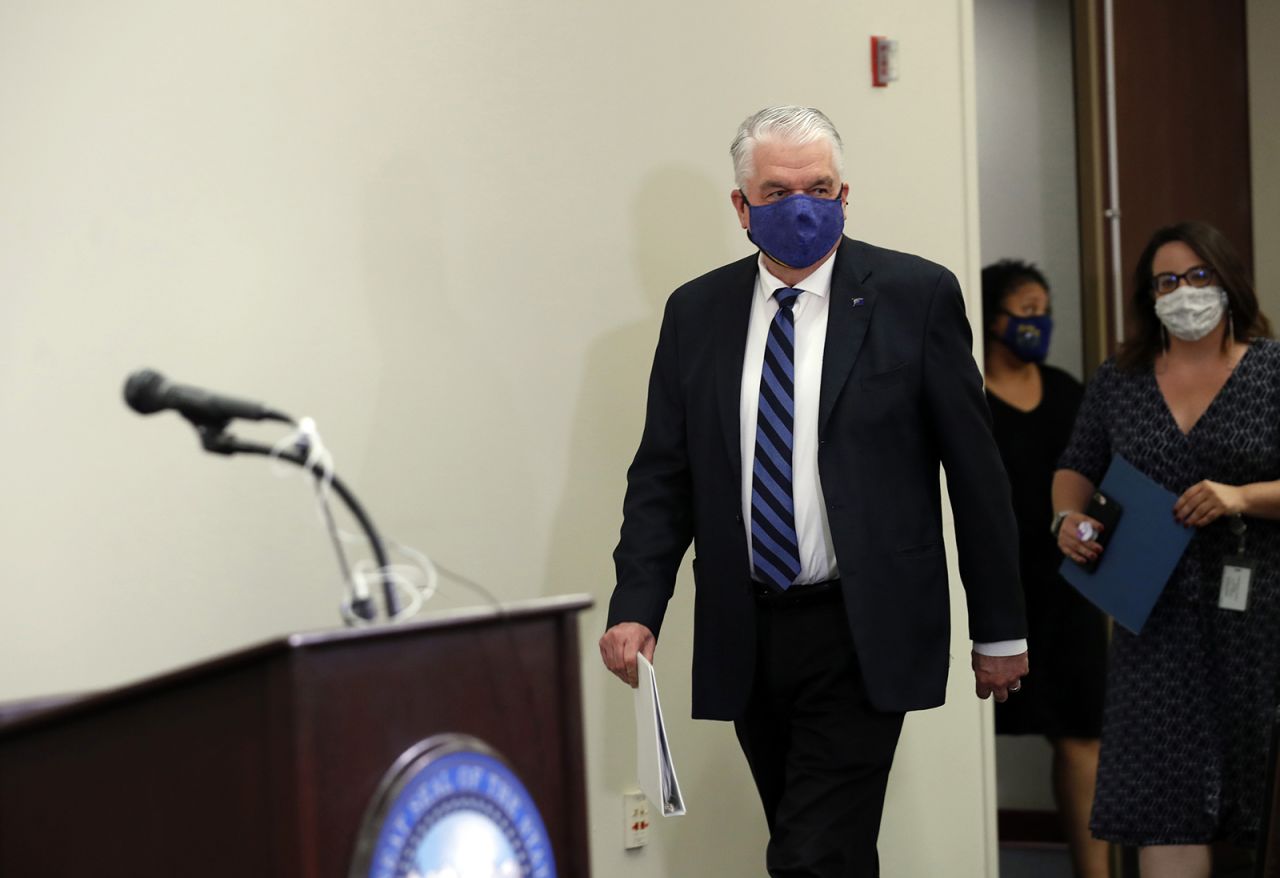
635	820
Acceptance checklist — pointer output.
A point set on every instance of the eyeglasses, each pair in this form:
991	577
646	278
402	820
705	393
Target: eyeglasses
1199	276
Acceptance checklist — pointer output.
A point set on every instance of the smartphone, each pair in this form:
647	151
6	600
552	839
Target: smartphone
1107	511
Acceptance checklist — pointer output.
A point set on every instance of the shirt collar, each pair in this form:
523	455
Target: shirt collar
818	283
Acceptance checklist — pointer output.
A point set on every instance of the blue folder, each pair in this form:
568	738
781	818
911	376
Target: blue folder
1145	547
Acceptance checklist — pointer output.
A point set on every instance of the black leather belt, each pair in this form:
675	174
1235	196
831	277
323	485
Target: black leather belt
796	595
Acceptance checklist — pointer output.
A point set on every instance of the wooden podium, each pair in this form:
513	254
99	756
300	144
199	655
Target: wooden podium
263	762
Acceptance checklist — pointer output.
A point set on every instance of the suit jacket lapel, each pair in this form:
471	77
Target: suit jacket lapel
731	347
848	316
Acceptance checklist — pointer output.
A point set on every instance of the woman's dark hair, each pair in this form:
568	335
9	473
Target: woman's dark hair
999	279
1145	339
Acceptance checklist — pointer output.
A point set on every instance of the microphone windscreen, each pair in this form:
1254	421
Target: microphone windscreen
143	391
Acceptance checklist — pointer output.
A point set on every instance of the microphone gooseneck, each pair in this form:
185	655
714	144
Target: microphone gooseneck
146	391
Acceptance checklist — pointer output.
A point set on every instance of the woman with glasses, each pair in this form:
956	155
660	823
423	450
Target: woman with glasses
1192	400
1033	406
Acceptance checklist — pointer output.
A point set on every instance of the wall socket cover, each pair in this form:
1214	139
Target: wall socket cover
635	820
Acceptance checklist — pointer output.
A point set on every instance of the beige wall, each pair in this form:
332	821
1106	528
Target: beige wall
446	231
1263	23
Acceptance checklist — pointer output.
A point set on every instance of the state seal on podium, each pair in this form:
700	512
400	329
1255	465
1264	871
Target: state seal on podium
451	807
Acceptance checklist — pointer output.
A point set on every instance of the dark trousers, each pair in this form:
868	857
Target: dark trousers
819	753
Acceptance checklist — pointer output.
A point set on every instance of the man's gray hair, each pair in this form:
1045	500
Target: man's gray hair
796	125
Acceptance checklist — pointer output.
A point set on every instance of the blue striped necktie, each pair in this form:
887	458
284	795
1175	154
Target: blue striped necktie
775	549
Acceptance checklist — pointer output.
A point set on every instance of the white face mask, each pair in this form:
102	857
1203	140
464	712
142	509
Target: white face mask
1191	313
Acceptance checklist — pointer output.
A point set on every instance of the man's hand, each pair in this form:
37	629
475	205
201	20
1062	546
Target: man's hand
619	646
999	674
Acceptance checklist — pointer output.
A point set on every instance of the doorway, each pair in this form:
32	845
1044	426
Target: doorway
1086	144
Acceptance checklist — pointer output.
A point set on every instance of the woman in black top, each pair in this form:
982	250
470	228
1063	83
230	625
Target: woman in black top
1032	410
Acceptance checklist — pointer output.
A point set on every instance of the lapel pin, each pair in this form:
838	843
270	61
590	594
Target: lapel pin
858	301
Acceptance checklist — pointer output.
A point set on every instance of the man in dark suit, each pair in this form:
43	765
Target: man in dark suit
800	405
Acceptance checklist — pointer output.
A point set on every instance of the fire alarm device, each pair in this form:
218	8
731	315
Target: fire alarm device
884	61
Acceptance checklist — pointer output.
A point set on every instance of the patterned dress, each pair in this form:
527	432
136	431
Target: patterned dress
1189	701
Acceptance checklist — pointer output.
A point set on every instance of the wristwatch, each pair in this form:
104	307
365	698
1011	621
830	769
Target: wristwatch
1060	517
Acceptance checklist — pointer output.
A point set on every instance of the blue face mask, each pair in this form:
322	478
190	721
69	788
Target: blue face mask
797	230
1028	337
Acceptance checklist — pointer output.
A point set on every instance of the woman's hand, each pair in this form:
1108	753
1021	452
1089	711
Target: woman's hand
1206	502
1069	542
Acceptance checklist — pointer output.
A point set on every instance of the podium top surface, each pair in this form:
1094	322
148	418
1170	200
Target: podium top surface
16	719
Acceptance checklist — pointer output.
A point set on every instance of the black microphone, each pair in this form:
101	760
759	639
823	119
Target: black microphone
147	392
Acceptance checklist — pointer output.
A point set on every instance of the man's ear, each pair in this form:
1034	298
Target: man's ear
740	205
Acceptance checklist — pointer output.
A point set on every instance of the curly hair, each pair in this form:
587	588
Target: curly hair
999	279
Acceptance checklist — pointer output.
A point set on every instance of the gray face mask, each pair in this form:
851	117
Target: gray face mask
1191	313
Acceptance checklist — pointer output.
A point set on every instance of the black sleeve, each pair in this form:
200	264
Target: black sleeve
657	512
978	487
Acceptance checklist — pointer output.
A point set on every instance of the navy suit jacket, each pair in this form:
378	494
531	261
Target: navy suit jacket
900	396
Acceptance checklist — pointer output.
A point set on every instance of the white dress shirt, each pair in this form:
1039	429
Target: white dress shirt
813	532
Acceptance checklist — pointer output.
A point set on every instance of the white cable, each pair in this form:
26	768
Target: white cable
358	591
425	564
306	440
398	577
401	576
364	576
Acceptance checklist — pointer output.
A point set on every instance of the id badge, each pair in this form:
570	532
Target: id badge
1237	573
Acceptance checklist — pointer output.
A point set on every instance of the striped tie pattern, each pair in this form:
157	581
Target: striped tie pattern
775	549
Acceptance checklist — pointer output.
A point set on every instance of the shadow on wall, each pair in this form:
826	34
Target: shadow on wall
677	216
681	230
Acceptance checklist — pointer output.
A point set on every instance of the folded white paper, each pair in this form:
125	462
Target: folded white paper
653	757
